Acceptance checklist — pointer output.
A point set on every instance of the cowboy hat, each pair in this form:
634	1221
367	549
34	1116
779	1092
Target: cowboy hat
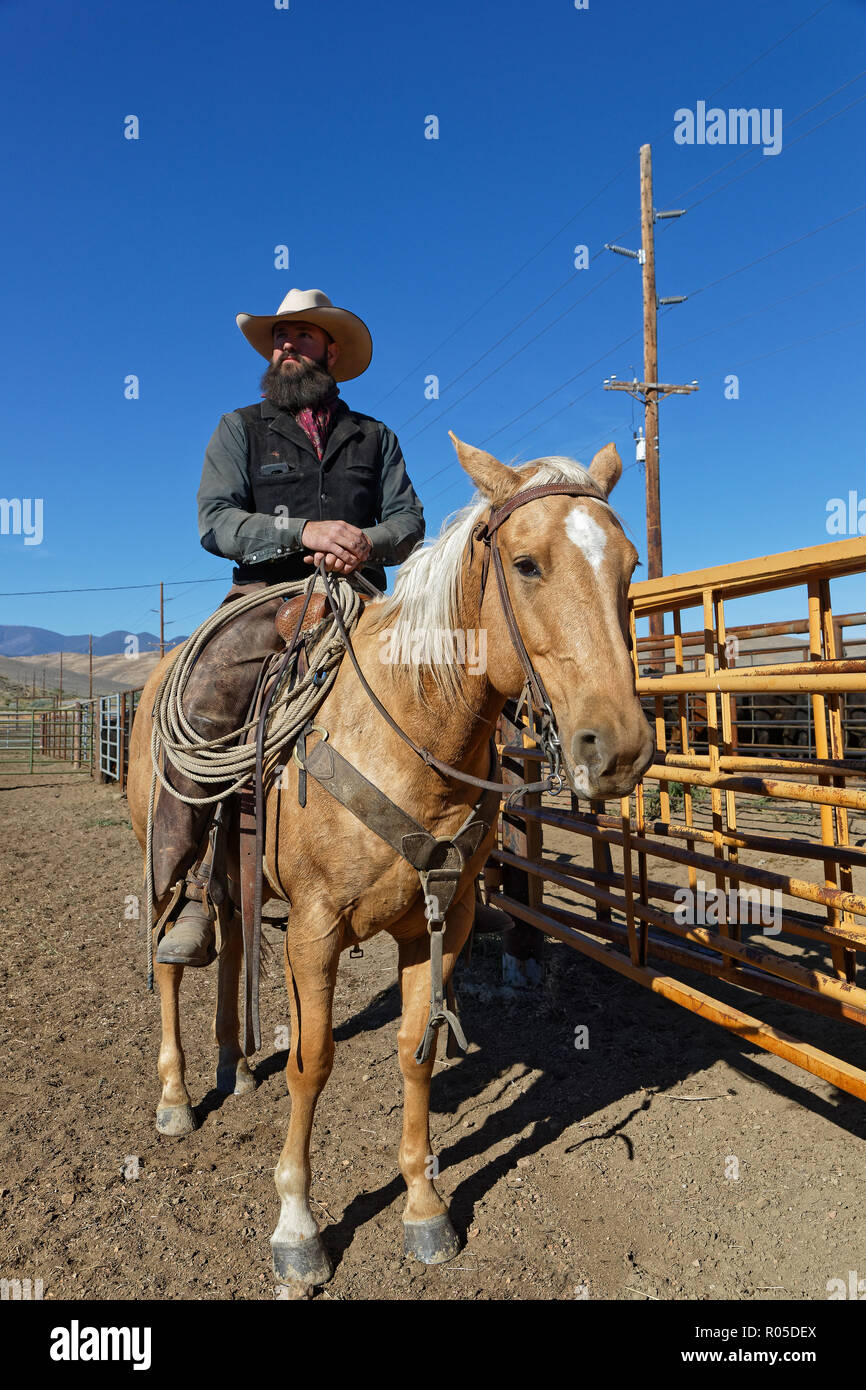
350	333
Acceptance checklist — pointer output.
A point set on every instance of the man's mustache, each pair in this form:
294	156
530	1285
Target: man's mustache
299	357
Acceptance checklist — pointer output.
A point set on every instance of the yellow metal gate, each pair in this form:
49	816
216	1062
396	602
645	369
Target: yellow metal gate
734	856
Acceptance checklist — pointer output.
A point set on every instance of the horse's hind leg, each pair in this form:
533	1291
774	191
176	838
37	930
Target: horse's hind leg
174	1115
233	1072
428	1233
299	1253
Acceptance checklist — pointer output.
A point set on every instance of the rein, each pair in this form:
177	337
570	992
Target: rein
548	737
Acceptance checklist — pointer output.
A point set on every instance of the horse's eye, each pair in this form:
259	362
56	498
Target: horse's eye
528	568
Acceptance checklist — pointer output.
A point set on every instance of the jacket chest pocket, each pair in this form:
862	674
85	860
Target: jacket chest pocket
277	468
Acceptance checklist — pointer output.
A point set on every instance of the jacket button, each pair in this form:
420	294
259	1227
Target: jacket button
324	496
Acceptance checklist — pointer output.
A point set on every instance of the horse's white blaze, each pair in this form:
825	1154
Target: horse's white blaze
590	538
587	535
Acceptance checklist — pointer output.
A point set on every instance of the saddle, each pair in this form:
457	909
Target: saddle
288	613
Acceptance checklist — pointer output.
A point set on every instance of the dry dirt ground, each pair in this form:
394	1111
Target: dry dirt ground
603	1172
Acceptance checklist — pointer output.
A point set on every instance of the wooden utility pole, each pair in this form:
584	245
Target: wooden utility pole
650	391
651	374
90	666
60	695
161	623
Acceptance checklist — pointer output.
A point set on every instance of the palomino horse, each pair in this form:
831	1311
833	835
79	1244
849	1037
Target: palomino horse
567	565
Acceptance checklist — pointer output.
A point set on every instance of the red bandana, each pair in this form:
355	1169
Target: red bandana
316	422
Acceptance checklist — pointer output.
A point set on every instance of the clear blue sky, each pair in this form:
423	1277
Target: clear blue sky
305	126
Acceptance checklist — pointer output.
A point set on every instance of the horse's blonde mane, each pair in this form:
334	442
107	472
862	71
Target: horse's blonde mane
425	607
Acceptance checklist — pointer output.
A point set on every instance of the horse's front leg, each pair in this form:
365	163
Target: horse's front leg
174	1114
312	957
428	1233
233	1072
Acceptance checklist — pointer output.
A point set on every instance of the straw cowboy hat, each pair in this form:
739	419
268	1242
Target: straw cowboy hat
350	333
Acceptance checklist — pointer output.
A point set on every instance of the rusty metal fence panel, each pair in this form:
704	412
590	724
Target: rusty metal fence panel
39	740
83	736
18	740
678	878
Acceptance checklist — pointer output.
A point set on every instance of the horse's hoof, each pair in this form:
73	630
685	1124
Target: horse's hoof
244	1081
306	1263
176	1120
235	1078
433	1241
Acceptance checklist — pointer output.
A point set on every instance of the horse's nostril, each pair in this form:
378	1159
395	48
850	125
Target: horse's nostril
589	748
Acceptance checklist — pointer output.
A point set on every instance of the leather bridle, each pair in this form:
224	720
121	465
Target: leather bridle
534	692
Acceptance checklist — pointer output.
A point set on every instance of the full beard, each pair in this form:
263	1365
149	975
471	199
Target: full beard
307	384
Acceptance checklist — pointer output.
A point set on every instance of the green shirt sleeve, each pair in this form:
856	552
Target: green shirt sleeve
401	517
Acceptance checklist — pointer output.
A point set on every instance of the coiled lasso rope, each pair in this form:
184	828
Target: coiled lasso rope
223	759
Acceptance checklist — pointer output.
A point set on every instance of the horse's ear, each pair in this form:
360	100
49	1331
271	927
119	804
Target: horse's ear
606	468
494	479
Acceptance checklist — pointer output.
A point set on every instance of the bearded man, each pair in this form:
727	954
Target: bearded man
295	480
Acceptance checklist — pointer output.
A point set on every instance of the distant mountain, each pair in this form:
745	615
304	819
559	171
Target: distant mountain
41	674
34	641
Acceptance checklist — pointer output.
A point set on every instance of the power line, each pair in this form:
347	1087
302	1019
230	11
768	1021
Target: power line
759	164
575	376
556	391
711	285
772	48
789	146
779	249
503	286
569	380
574	217
584	449
801	342
493	346
106	588
785	299
514	354
534	406
451	404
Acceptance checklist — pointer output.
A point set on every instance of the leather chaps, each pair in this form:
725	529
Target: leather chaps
216	701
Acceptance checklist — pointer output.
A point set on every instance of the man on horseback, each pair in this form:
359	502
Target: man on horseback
288	483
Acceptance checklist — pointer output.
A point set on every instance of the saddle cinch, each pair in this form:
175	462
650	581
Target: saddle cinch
439	861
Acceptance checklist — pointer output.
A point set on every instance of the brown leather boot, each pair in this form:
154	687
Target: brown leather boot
192	938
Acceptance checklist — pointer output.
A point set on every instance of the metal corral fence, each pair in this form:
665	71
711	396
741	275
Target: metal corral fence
731	859
774	720
89	736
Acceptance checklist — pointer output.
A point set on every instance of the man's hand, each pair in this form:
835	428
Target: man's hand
343	547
